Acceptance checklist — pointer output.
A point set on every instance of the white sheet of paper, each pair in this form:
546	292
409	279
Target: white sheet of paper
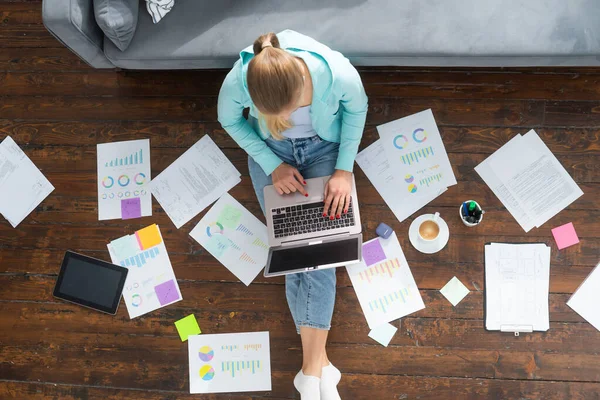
22	184
517	281
235	237
123	175
417	154
586	298
535	178
485	170
151	283
194	181
454	291
383	334
386	289
230	362
374	163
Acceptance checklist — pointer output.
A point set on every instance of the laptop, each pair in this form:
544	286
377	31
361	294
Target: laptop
301	239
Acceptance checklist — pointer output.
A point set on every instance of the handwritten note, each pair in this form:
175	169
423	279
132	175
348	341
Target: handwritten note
166	292
372	252
131	208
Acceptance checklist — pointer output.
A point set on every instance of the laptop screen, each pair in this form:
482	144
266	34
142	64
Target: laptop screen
289	259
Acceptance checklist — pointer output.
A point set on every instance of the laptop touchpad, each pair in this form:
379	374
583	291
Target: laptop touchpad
315	189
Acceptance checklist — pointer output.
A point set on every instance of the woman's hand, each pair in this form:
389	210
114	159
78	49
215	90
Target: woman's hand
337	194
287	179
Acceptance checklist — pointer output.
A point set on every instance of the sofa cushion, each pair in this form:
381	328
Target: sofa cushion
210	34
118	20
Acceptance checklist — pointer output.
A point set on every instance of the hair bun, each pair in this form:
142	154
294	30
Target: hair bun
267	40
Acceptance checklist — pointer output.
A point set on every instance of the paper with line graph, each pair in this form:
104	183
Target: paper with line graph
235	237
230	362
386	289
415	149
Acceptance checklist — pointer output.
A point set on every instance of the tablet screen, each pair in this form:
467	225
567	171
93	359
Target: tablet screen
90	282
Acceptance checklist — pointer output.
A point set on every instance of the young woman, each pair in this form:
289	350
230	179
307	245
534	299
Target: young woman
307	114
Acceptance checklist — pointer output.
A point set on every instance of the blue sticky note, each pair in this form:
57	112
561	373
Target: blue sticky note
125	247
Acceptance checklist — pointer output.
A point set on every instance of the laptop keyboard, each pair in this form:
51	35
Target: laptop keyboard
307	218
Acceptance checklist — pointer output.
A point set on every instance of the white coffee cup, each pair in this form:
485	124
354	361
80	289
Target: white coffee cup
429	229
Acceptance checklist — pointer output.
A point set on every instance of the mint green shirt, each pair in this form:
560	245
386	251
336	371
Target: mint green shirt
338	110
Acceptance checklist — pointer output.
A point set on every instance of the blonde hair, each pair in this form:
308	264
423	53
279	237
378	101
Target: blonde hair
274	81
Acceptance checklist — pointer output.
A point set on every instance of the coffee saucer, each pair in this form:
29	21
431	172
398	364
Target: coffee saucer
428	247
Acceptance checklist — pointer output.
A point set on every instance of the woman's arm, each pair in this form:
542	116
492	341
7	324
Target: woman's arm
230	114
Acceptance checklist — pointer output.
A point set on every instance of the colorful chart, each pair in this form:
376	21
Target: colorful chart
229	347
409	178
430	179
412	188
400	142
214	228
206	353
254	347
381	303
247	258
240	367
419	135
140	178
207	373
260	243
133	159
123	180
108	182
415	156
242	228
140	259
136	300
384	269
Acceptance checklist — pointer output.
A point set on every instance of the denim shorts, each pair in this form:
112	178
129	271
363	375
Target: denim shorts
310	295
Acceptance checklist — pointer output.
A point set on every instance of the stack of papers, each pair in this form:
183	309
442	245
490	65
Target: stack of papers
517	282
586	298
235	237
408	165
22	185
195	180
384	285
529	180
123	179
151	282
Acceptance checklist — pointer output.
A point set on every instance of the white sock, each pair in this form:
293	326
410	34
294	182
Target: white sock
330	377
308	386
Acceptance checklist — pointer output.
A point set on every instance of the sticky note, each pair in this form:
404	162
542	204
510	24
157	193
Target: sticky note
148	237
454	291
383	334
187	326
565	236
230	216
131	208
166	292
125	247
372	252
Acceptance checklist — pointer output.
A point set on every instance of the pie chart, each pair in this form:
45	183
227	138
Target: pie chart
206	353
207	373
409	178
214	228
412	188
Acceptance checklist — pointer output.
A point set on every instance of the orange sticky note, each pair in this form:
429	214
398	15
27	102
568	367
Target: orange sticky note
565	236
148	237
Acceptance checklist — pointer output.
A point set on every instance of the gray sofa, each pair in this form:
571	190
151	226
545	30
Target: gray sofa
210	33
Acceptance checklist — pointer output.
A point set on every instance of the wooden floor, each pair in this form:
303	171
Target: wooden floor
58	109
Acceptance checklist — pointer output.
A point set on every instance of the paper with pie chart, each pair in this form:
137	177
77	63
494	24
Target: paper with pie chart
123	180
230	362
383	282
151	282
235	237
415	149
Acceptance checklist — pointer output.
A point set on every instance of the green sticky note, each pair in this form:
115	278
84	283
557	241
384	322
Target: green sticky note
187	326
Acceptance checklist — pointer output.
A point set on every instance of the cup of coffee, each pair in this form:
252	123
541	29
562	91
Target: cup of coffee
429	230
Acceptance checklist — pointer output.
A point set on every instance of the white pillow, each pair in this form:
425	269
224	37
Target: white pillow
159	8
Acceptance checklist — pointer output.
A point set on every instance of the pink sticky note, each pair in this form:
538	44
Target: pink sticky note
372	252
565	236
166	292
131	208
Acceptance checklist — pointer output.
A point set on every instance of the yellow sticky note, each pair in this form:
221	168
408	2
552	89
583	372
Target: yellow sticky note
148	237
187	326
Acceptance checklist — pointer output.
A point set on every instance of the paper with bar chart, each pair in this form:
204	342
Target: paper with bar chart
415	150
230	362
386	289
151	282
123	180
235	237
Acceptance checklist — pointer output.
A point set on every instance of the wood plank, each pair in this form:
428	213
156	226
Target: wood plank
27	36
14	14
574	114
41	59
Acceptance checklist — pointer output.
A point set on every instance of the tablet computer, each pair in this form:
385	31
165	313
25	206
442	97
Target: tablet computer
90	282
